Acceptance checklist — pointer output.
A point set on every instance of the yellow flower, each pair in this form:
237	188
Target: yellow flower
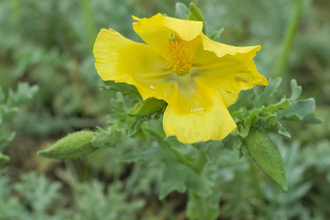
197	77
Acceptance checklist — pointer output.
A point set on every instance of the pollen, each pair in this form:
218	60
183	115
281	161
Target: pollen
177	56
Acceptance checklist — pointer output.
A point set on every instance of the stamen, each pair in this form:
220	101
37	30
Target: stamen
177	57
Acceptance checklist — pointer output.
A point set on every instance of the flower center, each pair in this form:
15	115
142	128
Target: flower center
177	56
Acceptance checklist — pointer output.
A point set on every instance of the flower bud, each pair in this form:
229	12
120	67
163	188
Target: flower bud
72	146
263	151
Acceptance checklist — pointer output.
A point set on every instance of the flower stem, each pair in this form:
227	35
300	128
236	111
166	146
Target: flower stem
199	162
198	165
201	203
202	208
168	210
257	188
87	12
162	142
288	39
17	8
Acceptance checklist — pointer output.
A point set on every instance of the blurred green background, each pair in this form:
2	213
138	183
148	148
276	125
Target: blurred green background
49	44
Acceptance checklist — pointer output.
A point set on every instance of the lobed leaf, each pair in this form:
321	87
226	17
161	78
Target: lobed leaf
181	11
180	177
123	88
215	35
301	111
22	96
296	90
213	150
151	156
3	159
147	107
269	91
195	14
5	138
38	191
106	138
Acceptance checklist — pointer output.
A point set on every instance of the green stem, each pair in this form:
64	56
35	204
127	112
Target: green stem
73	182
198	165
17	8
199	162
288	39
202	207
201	203
168	210
257	188
161	140
87	12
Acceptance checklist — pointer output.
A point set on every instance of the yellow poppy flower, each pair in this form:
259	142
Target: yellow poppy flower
197	77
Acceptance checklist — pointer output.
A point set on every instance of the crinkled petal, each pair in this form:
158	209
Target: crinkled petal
122	60
108	49
230	77
227	73
196	113
223	49
155	30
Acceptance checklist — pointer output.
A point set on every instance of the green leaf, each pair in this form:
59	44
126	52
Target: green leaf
269	91
243	100
264	118
279	129
215	35
106	138
95	201
6	138
211	205
263	151
22	96
2	96
267	117
38	191
284	104
213	150
151	156
135	127
301	111
195	14
232	142
123	88
181	11
7	114
72	146
180	177
3	159
147	107
296	90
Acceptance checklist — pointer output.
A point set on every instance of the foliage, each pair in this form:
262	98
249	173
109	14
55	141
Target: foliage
43	198
48	44
9	107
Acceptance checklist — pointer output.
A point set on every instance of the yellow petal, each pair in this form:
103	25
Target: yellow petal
226	69
155	30
229	78
223	49
107	50
196	113
159	85
122	60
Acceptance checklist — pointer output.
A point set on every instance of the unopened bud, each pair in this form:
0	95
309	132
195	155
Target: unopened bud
263	151
72	146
